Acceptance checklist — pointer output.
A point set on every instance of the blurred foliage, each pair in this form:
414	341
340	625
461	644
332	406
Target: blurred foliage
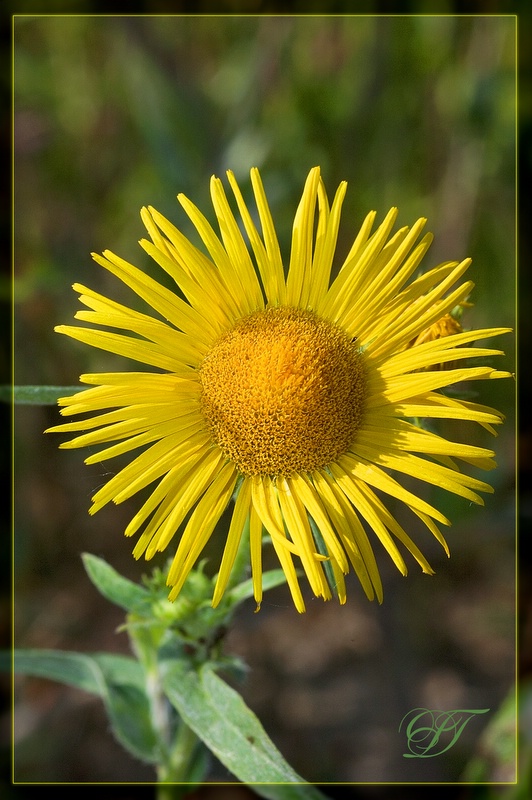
113	113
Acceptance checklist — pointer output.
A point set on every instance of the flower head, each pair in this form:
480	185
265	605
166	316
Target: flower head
290	393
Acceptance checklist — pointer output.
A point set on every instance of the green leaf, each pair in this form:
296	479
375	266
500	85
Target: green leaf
113	586
129	714
117	680
120	670
36	395
220	718
74	669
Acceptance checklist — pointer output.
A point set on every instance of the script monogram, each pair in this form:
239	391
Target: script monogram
431	733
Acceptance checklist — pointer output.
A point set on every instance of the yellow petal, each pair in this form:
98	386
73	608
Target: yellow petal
200	527
238	520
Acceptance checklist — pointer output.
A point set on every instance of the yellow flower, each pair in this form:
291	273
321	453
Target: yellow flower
289	392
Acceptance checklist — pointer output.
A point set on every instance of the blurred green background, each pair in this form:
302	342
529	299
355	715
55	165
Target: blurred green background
112	113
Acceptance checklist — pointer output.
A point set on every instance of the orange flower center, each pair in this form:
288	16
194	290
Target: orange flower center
283	392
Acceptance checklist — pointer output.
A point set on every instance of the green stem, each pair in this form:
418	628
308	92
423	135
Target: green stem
171	791
178	749
160	709
177	756
181	756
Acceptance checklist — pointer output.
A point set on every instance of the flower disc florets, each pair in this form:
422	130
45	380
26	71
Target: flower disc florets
283	392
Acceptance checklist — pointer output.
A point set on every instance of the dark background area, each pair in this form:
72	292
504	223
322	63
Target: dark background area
115	113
